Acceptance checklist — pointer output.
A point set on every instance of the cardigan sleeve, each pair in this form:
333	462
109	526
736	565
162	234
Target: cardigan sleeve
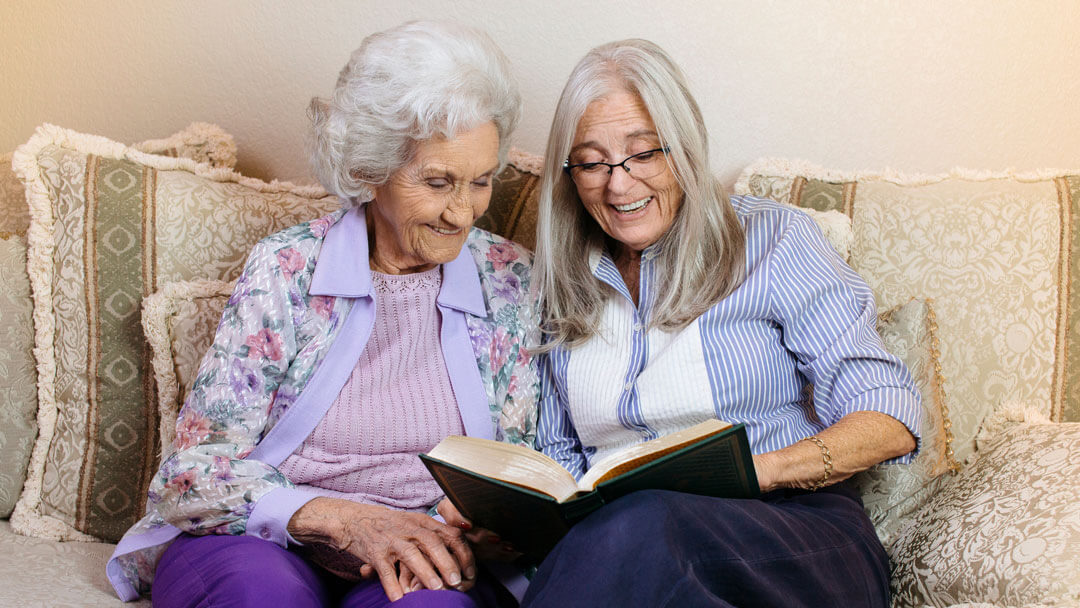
207	485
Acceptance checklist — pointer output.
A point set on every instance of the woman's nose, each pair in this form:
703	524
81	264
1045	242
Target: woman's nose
620	180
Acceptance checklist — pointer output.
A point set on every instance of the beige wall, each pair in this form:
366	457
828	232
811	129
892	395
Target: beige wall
919	85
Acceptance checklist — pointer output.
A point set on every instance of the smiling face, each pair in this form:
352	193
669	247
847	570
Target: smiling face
421	217
635	213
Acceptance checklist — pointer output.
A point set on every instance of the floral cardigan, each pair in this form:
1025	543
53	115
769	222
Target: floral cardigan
277	364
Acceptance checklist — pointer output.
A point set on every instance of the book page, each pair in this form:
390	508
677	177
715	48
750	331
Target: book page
634	456
514	464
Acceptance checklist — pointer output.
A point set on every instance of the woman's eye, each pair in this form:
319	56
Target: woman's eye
438	182
645	156
482	183
592	167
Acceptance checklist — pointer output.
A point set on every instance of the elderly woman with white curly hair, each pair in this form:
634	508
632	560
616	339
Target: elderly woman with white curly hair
352	343
666	304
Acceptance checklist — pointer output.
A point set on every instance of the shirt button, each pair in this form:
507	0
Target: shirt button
265	533
638	326
629	387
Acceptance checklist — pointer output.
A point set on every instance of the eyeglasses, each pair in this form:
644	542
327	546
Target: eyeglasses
642	165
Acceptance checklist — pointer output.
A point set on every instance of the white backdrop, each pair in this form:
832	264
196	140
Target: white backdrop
918	85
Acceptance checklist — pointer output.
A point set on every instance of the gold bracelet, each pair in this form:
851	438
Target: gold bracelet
826	459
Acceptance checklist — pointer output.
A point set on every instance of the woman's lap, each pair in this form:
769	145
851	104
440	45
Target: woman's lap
203	571
660	548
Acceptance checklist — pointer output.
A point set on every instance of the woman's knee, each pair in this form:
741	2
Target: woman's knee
242	571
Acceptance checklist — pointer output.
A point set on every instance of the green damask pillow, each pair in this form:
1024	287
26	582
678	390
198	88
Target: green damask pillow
18	378
109	226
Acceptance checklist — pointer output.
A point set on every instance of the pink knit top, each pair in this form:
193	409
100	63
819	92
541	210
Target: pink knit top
397	403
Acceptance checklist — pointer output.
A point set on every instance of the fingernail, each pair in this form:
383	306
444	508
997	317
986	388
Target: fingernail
455	579
470	573
465	525
438	585
508	547
494	539
417	586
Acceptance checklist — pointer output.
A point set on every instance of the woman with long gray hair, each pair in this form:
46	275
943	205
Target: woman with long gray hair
352	343
666	304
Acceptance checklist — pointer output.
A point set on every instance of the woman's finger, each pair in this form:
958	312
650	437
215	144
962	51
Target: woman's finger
388	576
452	516
417	561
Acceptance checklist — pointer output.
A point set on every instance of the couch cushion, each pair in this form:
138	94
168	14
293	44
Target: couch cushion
109	226
997	253
18	379
1005	531
38	572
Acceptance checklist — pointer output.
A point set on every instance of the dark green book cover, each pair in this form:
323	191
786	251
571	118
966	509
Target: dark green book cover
720	465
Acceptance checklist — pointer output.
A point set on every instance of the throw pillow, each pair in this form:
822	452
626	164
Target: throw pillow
179	321
514	199
997	253
892	492
109	226
1006	530
18	379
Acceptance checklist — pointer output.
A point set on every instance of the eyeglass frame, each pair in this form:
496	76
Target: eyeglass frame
567	167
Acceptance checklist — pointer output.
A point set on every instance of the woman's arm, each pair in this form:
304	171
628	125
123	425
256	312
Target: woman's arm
862	394
855	443
207	485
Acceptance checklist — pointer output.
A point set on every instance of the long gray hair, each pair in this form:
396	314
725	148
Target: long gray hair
701	257
402	86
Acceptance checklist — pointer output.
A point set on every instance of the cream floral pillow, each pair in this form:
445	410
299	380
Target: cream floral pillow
179	321
1006	530
892	492
109	226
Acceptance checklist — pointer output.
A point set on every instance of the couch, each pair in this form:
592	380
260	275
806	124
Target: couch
128	252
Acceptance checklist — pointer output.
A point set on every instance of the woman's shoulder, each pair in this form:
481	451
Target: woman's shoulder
769	220
503	265
304	237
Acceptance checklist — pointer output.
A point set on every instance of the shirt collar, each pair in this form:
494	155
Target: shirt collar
343	268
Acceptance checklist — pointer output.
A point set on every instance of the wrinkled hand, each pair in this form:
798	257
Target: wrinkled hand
486	545
387	541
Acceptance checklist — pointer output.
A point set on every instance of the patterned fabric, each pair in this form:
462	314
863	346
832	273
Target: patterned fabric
514	201
1005	531
18	378
805	316
110	225
997	253
892	492
276	331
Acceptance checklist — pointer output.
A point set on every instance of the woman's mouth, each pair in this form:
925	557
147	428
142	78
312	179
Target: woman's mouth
445	231
634	206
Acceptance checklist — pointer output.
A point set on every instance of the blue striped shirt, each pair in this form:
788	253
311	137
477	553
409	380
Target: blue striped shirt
801	318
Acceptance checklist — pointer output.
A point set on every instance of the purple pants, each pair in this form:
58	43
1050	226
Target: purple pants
240	571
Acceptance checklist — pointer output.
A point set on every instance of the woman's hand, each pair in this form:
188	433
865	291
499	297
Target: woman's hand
486	545
390	542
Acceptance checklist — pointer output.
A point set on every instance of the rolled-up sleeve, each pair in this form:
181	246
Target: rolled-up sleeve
828	317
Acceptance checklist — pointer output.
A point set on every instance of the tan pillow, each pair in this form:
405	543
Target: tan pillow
892	492
180	321
1007	530
152	220
514	200
18	379
998	254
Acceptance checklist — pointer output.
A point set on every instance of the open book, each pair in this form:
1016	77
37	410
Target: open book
531	500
